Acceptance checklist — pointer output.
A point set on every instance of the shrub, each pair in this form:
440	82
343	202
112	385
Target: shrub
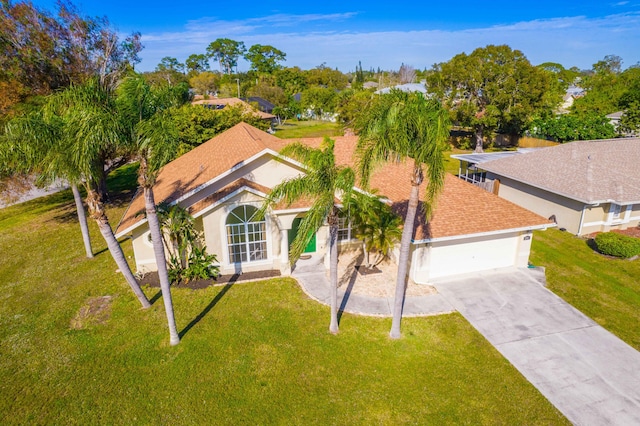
614	244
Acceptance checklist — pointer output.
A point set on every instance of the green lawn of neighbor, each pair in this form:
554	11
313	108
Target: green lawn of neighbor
251	353
292	129
604	288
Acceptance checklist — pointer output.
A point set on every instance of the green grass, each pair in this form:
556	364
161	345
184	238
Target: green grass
254	353
603	288
308	129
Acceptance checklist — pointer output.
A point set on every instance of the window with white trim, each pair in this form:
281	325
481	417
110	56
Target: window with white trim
615	211
344	229
246	237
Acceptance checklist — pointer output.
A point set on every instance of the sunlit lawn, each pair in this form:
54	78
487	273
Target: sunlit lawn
251	353
604	288
292	129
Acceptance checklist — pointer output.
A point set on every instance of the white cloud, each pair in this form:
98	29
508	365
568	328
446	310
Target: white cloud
572	41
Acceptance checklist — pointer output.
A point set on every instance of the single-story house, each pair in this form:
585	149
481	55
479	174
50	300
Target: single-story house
224	181
585	186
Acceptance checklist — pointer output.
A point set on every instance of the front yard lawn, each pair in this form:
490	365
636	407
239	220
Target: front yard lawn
252	353
604	288
293	129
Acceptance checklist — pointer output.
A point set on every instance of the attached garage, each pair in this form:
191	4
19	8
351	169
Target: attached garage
459	256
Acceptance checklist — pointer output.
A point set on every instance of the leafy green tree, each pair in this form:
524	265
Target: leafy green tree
604	87
564	76
265	59
267	89
196	63
292	80
196	124
323	181
631	81
226	52
171	70
320	100
153	139
397	127
350	104
358	81
573	127
560	79
205	83
43	52
494	88
327	77
630	121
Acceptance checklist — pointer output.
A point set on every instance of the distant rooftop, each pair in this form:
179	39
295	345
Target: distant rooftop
588	171
408	87
479	158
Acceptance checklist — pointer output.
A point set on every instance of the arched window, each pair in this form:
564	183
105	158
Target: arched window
246	237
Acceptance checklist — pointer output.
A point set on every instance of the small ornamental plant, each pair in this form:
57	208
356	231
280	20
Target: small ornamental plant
618	245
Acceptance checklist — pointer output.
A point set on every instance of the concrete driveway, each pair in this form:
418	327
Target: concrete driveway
589	374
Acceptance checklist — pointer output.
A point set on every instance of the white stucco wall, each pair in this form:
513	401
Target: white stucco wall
437	260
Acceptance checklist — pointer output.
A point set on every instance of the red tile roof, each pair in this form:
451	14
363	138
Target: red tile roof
462	209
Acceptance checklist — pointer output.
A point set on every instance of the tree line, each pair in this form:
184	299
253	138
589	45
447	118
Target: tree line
73	107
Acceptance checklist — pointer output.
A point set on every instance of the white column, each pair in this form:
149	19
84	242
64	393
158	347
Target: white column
285	268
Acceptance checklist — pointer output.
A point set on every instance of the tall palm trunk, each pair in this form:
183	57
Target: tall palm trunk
333	270
478	135
82	218
96	211
405	248
161	262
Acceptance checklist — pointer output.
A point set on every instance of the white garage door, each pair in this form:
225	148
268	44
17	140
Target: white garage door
458	257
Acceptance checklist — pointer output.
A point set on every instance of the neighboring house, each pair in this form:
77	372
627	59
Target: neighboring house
470	168
220	103
585	186
263	104
407	87
614	118
224	181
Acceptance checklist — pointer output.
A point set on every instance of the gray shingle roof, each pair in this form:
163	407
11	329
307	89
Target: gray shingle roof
588	171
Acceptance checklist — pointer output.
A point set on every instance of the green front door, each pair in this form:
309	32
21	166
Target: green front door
311	247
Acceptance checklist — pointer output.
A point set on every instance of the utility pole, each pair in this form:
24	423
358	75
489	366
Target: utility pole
238	81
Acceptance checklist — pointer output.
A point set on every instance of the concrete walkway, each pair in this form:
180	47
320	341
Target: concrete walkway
313	279
589	374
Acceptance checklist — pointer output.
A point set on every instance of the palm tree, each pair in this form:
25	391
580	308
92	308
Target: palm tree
90	135
394	128
29	147
153	140
376	225
322	182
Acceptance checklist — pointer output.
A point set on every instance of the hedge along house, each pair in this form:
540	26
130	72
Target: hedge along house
585	186
224	181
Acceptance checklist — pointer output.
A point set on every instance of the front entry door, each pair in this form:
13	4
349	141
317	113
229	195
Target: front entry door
311	247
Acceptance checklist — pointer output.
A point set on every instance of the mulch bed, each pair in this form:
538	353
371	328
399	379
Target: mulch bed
151	279
631	232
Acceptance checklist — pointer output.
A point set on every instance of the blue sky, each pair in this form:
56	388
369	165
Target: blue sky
384	34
